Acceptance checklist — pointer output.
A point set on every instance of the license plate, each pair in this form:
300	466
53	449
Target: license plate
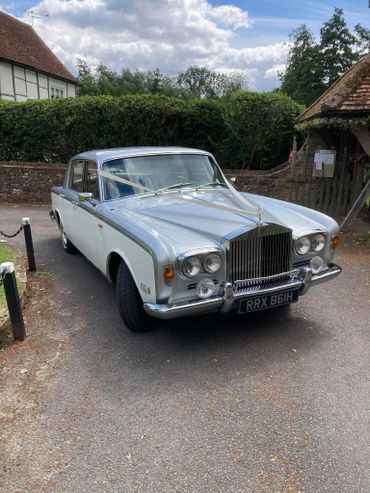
262	302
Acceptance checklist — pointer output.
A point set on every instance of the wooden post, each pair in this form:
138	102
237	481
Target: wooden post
356	208
29	243
294	158
343	172
13	301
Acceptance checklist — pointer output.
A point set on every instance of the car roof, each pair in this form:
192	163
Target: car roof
101	155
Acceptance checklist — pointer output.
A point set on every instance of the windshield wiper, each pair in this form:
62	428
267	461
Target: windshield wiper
176	185
212	183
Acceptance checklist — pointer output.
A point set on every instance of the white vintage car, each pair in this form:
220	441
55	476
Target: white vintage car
175	237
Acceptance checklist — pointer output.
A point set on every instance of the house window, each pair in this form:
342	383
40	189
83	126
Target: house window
55	92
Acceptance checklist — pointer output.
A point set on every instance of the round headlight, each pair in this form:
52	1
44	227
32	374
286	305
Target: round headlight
317	264
318	242
205	288
302	245
191	266
212	263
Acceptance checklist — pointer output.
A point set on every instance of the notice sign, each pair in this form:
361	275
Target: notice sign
324	163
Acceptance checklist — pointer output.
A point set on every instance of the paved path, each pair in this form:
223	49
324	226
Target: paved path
262	404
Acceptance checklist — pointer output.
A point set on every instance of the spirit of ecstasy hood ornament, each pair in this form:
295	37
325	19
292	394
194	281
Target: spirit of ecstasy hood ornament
260	214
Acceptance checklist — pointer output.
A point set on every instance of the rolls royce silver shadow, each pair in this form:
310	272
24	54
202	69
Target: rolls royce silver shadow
177	239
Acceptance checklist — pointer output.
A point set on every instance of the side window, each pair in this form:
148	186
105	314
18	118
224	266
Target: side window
92	182
76	176
55	92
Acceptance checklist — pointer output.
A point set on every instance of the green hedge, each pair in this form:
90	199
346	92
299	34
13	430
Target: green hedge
248	130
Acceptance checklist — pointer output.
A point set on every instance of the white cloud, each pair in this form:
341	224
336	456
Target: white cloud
272	73
239	58
144	34
232	16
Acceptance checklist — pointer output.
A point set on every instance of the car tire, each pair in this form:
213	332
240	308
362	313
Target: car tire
130	304
68	246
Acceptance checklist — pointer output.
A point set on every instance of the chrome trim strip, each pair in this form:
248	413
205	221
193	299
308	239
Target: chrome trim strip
293	283
333	271
183	309
282	274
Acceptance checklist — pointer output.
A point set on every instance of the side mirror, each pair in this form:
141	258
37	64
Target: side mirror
85	196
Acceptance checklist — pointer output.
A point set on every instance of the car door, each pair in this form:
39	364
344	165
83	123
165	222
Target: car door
91	226
79	220
74	185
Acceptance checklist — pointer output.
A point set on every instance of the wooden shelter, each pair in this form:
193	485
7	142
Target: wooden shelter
329	174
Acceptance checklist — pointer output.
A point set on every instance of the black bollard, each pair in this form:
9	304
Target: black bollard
29	243
13	301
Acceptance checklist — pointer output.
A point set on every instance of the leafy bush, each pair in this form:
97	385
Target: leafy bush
248	130
261	128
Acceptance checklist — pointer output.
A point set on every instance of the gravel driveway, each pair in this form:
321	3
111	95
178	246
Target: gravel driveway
266	403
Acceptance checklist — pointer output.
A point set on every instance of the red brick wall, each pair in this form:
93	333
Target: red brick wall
29	183
283	182
273	183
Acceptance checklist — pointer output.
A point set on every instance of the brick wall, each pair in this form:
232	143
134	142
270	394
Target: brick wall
29	183
283	182
273	183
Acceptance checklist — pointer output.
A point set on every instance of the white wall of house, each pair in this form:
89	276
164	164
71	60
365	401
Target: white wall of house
20	84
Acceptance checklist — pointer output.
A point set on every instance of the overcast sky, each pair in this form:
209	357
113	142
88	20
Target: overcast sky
172	34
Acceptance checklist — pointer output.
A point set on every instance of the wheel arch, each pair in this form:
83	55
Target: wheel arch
57	217
113	262
145	281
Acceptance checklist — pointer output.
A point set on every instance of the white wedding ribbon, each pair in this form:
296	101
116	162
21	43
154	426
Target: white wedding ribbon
257	212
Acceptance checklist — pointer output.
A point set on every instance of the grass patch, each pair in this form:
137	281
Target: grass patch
6	255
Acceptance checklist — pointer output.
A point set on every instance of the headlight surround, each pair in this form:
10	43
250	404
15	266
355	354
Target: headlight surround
191	266
318	242
212	263
303	245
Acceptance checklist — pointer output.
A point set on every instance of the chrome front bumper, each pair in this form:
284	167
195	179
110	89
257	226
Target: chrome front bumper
303	281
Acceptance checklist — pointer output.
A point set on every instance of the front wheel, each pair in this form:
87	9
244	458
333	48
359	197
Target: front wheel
130	304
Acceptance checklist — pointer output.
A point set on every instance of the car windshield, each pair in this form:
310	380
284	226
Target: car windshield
158	173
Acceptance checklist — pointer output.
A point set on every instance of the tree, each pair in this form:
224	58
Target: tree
195	82
336	47
87	81
303	77
132	82
158	83
202	83
313	67
108	81
362	39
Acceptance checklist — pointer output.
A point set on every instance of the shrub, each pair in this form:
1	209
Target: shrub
248	130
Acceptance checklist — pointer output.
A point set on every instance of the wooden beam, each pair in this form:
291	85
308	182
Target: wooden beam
363	135
356	208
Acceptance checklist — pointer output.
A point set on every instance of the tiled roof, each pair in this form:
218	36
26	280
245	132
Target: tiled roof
19	43
349	93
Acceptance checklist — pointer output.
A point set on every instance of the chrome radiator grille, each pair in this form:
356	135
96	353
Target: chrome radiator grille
263	252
